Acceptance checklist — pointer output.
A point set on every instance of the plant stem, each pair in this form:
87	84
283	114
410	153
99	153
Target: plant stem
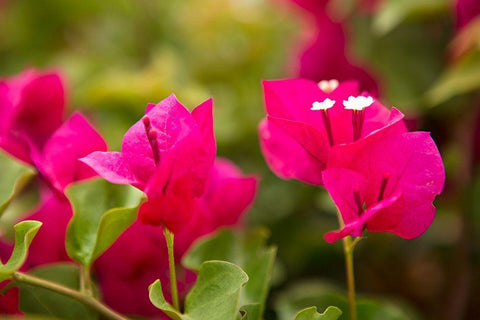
85	299
171	264
85	281
348	247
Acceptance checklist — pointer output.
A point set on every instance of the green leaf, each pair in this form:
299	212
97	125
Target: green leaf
39	301
322	295
251	311
13	176
246	249
25	231
102	211
332	313
392	12
215	295
158	300
460	78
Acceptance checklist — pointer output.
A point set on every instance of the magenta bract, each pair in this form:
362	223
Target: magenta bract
32	106
168	154
139	256
325	54
31	109
296	137
385	183
466	11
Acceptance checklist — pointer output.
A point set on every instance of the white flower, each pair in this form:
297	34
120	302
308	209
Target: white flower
328	86
324	105
357	103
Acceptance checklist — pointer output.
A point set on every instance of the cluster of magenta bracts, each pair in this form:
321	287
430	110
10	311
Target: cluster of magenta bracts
380	176
169	154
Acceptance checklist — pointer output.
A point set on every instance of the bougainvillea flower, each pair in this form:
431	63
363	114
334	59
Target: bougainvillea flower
168	154
466	11
58	160
31	108
139	256
54	212
385	183
9	300
324	54
304	122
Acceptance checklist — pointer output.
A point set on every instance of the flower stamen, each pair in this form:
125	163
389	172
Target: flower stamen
323	107
357	105
383	186
152	135
328	86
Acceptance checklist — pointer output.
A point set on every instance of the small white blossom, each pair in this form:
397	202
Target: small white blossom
324	105
328	86
357	103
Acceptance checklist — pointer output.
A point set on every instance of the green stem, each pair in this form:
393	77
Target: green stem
171	264
85	281
85	299
348	247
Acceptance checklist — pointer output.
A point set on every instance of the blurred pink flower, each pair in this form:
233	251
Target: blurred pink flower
139	256
9	300
168	154
304	122
325	53
32	107
466	11
385	183
54	211
31	114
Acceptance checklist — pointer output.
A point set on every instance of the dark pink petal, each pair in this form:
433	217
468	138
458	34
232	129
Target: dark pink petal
75	139
17	147
292	99
342	184
170	194
171	120
325	53
49	246
206	154
286	157
111	167
355	228
228	194
39	105
310	138
409	163
9	302
136	259
467	10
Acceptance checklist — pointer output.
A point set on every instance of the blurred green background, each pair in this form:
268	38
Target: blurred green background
119	55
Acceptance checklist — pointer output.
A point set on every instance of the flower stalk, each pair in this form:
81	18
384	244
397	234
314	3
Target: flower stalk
348	246
169	237
82	297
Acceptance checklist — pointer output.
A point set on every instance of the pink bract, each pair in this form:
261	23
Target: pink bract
385	183
296	140
139	256
168	154
466	11
32	106
325	53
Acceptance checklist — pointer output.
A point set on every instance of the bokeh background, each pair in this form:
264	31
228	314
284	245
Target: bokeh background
422	56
